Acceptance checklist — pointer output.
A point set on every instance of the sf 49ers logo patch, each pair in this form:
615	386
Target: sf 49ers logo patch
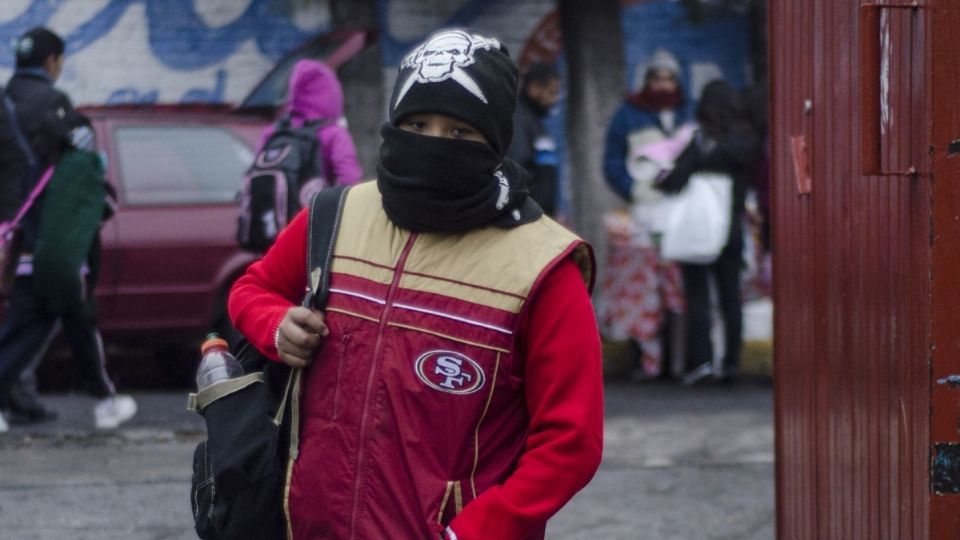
450	372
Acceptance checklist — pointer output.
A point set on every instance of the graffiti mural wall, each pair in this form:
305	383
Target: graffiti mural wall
175	51
169	51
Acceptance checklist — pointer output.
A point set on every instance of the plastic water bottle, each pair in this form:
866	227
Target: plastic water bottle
217	363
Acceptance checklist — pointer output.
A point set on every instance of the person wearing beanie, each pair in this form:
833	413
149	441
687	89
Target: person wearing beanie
652	113
60	247
453	384
643	299
532	146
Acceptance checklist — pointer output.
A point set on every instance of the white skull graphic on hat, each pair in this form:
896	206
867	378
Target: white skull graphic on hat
443	57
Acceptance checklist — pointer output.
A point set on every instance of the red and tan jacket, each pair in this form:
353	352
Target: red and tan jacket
460	385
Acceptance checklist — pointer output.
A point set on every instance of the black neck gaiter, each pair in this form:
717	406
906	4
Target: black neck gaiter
434	184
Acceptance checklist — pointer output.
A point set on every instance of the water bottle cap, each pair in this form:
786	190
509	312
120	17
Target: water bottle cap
213	342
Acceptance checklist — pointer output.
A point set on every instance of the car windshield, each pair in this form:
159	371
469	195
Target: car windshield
180	164
271	92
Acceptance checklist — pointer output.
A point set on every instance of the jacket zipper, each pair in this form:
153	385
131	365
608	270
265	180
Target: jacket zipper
398	272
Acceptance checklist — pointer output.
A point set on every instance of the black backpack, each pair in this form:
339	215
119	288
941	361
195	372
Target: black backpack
240	471
283	177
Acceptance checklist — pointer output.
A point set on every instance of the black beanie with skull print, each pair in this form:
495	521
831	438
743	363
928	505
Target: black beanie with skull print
462	74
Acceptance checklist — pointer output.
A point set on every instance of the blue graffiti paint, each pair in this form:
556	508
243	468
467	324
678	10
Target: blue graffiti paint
132	95
178	36
193	95
394	49
202	95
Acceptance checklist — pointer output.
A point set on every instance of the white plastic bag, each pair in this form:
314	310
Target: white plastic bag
697	222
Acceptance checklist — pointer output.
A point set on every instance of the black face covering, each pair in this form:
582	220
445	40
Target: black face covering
434	184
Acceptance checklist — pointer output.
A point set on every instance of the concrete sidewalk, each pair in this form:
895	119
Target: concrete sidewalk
679	463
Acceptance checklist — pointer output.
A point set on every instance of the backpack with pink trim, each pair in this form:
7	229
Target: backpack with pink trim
283	177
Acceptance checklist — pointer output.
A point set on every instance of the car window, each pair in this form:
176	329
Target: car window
180	164
272	90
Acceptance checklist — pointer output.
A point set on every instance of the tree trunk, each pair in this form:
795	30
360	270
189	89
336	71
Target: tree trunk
593	45
362	79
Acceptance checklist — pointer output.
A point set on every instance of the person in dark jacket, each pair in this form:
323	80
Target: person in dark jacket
52	127
724	143
532	146
14	160
42	114
16	163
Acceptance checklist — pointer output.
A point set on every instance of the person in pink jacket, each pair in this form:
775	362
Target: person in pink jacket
314	93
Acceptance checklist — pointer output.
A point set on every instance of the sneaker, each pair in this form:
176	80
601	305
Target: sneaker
25	408
112	411
701	372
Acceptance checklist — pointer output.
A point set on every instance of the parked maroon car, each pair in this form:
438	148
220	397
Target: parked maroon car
170	253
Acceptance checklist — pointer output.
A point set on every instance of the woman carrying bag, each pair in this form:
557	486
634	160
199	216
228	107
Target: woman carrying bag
725	144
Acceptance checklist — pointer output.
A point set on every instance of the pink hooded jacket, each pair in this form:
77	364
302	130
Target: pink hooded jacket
315	93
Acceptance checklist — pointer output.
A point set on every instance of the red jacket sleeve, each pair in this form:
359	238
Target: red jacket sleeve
272	285
563	382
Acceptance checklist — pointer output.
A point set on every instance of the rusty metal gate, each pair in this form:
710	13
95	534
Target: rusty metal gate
866	200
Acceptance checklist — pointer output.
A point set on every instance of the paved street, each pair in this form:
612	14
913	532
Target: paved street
679	463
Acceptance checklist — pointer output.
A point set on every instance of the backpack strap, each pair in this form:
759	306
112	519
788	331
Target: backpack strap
318	123
326	207
284	122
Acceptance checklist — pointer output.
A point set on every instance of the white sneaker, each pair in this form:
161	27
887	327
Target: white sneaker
112	411
4	427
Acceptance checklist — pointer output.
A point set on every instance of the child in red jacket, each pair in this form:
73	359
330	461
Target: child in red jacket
452	386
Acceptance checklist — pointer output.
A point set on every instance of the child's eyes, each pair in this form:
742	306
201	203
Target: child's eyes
461	132
419	126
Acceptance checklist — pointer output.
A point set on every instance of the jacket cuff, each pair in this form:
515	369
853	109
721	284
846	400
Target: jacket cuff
276	340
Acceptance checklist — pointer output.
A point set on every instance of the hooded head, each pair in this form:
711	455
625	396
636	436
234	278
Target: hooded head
314	91
659	89
464	75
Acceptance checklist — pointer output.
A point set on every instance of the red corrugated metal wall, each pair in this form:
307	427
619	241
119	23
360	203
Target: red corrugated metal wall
945	274
852	269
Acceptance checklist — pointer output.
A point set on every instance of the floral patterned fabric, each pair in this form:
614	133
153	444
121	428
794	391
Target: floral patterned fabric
638	288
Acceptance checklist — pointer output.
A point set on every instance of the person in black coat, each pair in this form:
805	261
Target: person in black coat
50	126
45	115
14	161
724	143
532	146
